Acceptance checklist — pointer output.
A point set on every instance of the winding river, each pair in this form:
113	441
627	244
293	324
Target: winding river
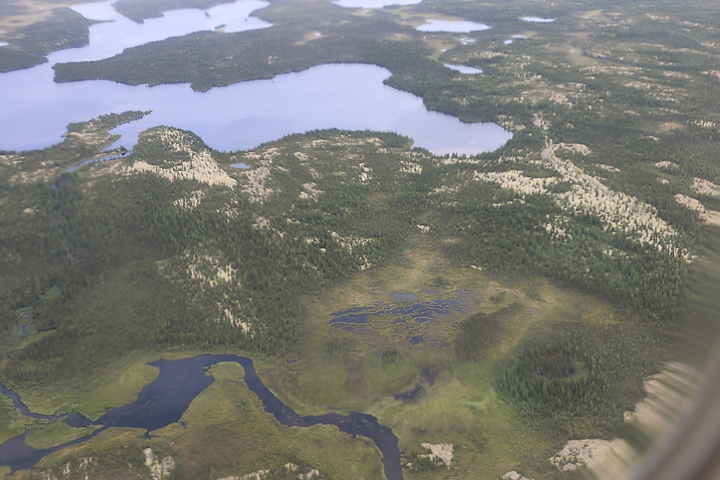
164	401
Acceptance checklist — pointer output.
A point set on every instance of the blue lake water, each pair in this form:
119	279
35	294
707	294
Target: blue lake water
36	110
452	26
463	69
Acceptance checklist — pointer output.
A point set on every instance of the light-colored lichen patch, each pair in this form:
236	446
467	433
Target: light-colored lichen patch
190	201
439	451
513	475
201	167
208	270
409	167
310	192
159	469
256	185
349	242
667	165
705	187
617	211
710	216
608	168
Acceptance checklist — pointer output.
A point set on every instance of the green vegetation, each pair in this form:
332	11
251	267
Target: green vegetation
56	433
65	28
574	240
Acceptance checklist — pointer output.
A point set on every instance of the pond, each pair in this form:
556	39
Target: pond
455	26
36	110
538	20
426	311
463	69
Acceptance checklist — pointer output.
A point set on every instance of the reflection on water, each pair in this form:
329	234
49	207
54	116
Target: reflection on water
452	26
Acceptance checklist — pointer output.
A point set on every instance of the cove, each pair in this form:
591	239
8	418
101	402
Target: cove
164	401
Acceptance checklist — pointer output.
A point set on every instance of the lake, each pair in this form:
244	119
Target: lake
36	110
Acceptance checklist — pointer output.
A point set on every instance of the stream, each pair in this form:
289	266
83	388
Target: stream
164	401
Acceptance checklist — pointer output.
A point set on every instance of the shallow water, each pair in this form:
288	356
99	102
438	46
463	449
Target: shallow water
356	318
460	26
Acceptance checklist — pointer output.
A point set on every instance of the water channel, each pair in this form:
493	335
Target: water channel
164	401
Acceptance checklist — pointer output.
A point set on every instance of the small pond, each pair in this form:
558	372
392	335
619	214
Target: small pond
538	20
459	26
240	165
463	69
